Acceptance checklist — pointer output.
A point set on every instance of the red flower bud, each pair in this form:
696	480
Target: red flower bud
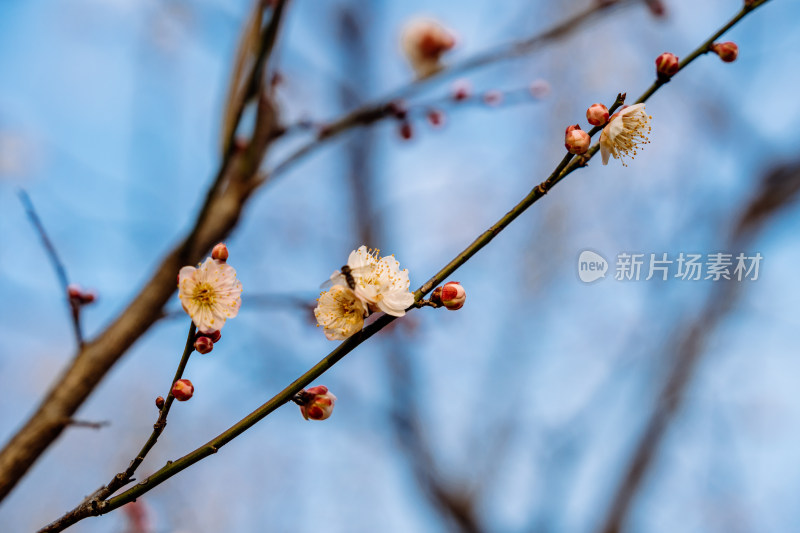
220	252
160	402
203	344
667	65
214	336
597	115
405	130
453	295
727	51
435	117
461	90
576	140
182	390
315	403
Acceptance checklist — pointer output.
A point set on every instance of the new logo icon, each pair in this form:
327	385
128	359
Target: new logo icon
591	266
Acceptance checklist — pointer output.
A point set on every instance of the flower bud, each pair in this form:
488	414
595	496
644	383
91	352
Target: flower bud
461	90
405	130
398	109
493	98
727	51
576	140
453	295
315	403
182	390
203	344
539	89
667	65
435	117
78	296
160	402
597	114
657	8
220	252
214	336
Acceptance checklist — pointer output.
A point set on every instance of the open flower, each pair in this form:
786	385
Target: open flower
340	313
625	132
380	283
210	294
424	41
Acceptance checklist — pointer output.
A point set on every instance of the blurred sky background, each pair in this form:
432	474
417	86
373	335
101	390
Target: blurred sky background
525	406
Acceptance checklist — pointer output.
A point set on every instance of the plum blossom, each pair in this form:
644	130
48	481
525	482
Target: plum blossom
210	294
340	313
625	132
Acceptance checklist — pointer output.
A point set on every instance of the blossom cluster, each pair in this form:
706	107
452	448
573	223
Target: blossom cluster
367	283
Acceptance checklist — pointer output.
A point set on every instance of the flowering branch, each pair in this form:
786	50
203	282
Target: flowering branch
123	478
567	165
58	265
236	179
234	183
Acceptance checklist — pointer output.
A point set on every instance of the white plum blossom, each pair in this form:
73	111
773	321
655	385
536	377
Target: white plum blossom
378	284
340	312
384	287
210	294
625	132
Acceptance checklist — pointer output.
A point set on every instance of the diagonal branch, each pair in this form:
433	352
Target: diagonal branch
55	260
225	200
564	168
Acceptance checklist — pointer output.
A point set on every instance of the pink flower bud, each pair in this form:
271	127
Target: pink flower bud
576	140
214	336
727	51
182	390
493	98
667	65
160	402
79	296
435	117
397	108
461	90
203	344
539	89
315	403
657	8
405	130
597	115
453	295
220	252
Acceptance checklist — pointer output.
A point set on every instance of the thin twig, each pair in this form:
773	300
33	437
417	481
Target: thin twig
58	264
172	468
123	478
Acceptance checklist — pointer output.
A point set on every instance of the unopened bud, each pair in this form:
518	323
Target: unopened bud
397	108
657	8
435	117
79	296
539	89
461	90
576	140
160	402
453	295
667	65
405	130
182	390
214	336
315	403
203	344
493	98
220	252
727	51
597	114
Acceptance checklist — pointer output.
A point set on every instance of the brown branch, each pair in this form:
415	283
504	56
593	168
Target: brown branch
225	200
58	265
